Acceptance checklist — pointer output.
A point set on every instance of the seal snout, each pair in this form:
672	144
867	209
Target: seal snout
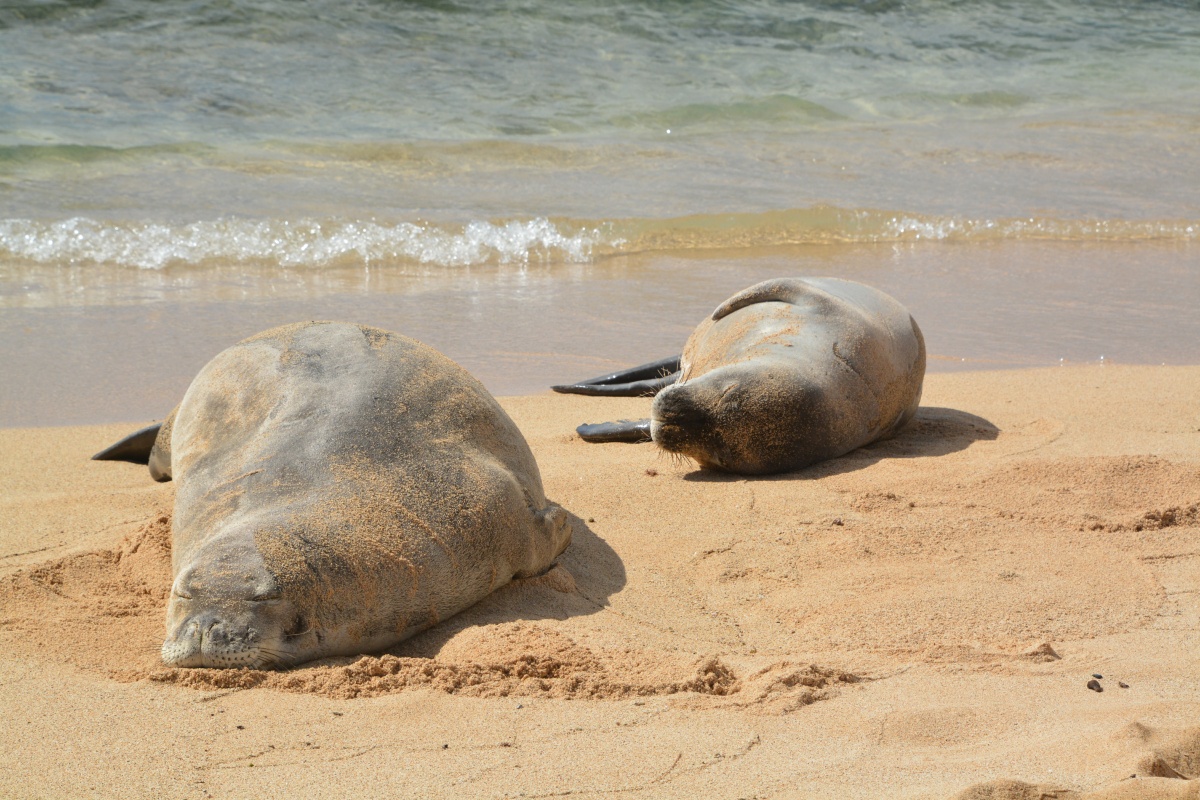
682	422
211	639
676	407
224	617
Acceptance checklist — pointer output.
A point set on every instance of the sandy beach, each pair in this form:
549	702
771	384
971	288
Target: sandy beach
546	191
919	619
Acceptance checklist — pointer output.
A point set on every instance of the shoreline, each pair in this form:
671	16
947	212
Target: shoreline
904	652
73	354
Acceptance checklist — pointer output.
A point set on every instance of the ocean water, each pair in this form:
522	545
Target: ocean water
380	155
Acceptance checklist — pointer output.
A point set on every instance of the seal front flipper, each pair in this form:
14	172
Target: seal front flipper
644	381
134	448
627	430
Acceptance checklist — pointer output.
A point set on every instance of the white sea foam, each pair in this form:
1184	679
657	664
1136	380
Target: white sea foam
304	243
909	228
316	244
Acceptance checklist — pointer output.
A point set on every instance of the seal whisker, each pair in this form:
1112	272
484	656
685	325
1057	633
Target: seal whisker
263	660
275	658
682	460
271	651
146	649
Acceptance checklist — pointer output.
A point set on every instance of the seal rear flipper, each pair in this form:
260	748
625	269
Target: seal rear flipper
778	290
627	430
134	448
643	381
150	446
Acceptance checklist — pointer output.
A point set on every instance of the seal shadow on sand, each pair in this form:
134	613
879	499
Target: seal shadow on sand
587	573
932	433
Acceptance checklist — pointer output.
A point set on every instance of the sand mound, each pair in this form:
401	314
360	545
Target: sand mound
519	659
1167	772
1173	755
1104	493
115	600
1015	790
1130	789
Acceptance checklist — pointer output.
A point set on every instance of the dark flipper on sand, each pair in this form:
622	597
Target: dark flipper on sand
151	446
627	430
134	448
644	381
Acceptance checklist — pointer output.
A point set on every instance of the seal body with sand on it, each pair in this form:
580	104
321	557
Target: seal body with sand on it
339	488
784	374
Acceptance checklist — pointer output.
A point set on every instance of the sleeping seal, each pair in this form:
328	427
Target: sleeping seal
339	488
784	374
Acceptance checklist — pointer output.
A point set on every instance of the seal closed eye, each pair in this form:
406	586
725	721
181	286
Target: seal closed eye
782	375
339	488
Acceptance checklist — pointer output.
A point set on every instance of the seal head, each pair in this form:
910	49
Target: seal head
736	420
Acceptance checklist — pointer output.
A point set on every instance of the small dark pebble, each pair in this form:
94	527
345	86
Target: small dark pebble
445	747
838	521
241	727
1123	684
591	519
1095	686
1097	676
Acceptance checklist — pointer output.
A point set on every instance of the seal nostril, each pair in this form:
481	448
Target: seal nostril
209	632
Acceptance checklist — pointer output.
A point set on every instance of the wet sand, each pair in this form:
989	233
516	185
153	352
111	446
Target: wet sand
913	620
80	347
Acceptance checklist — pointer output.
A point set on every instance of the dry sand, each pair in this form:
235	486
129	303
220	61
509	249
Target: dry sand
918	619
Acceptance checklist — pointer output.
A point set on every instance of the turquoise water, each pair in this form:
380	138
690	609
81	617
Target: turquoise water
437	134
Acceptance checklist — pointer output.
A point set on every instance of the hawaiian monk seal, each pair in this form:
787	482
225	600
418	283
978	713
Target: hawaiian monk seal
784	374
339	488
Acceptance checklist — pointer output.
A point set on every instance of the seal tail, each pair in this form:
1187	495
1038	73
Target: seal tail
644	381
627	430
134	448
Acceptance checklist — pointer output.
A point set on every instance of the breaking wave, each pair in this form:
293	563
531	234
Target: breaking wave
325	243
305	243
